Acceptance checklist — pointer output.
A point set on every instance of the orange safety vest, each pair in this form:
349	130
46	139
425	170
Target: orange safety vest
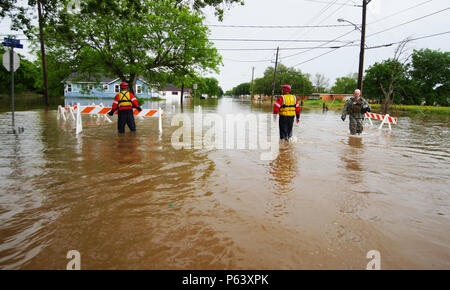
288	107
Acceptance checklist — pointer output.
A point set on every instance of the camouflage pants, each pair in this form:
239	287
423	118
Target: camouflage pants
355	125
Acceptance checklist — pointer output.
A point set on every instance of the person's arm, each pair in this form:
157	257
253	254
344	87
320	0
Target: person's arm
135	102
366	107
277	105
344	111
115	105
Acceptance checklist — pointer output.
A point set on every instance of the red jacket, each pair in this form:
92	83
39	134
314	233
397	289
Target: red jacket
279	103
133	101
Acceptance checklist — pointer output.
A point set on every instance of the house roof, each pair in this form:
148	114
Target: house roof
77	77
172	88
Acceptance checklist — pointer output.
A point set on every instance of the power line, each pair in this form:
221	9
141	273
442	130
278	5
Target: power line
317	1
327	17
312	19
280	26
410	21
320	55
314	26
272	40
411	39
373	47
281	48
320	46
399	12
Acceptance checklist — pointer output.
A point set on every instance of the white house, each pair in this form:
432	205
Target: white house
172	94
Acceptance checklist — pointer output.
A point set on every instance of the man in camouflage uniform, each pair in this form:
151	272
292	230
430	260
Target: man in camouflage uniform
356	107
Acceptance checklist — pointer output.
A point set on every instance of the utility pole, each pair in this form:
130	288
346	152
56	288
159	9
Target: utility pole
182	95
363	44
274	76
44	59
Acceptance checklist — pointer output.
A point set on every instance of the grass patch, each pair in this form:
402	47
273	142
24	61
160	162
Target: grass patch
337	104
413	109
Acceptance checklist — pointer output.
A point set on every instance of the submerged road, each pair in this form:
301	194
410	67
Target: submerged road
135	202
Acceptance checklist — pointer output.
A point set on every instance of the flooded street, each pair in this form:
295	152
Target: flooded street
135	202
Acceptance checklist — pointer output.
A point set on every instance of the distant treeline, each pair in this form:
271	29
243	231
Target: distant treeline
423	79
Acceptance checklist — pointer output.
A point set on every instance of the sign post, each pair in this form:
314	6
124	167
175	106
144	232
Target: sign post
11	62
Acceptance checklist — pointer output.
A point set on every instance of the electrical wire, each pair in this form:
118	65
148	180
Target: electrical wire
410	21
280	26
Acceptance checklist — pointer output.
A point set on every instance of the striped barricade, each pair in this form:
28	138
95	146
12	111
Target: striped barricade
385	119
101	111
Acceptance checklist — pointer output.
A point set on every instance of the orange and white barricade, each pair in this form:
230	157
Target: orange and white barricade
385	119
101	112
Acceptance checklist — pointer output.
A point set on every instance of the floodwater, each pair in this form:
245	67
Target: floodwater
135	202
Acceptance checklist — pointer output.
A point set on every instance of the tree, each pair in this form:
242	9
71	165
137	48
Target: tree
242	89
218	5
346	85
129	39
21	18
25	78
300	83
386	78
431	74
209	86
320	82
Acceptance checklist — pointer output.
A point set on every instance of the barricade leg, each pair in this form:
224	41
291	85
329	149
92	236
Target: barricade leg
385	119
71	113
160	120
79	124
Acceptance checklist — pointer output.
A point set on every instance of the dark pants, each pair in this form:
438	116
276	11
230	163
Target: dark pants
126	117
286	123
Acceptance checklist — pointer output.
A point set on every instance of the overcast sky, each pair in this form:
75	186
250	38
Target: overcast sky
382	15
238	64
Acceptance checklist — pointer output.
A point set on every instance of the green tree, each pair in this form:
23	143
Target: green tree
218	5
128	39
346	85
21	19
431	73
387	77
300	83
209	86
242	89
25	78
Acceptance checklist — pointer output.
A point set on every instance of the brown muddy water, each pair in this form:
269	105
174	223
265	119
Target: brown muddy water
134	202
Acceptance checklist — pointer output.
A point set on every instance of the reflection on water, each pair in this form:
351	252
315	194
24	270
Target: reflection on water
134	202
284	167
353	158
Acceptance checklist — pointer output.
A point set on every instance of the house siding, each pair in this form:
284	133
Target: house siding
79	90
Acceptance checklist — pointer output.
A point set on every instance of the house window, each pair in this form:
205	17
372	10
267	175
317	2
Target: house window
164	94
139	89
105	87
175	93
116	88
69	88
